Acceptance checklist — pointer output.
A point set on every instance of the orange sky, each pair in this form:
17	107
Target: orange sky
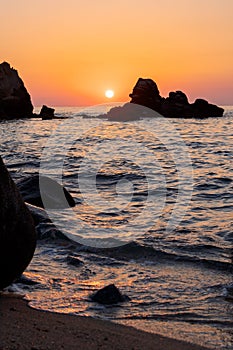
69	52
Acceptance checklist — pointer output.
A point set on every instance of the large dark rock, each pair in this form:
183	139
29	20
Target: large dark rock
146	93
176	105
15	101
53	194
47	112
17	231
109	295
204	109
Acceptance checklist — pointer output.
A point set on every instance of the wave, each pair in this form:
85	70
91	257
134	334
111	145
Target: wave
142	252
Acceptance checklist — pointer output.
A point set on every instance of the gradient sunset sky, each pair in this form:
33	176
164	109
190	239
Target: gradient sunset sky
68	52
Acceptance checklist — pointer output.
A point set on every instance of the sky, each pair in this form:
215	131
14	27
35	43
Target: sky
68	52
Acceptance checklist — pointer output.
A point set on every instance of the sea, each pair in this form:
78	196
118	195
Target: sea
153	215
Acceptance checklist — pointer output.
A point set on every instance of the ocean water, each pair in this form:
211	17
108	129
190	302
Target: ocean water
153	215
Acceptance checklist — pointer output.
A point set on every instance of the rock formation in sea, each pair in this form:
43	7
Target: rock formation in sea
15	101
17	231
176	105
47	112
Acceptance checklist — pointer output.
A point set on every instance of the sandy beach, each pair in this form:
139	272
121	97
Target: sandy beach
25	328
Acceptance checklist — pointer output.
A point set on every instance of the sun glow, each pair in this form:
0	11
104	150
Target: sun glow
109	93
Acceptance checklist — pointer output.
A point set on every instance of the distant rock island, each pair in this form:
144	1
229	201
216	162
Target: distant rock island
15	101
176	105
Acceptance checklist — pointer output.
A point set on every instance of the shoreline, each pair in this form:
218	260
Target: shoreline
23	327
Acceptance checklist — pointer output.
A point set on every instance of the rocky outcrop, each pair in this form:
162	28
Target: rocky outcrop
43	191
146	93
15	101
47	112
17	231
176	105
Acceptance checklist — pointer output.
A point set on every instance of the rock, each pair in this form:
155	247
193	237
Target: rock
146	93
204	109
17	231
109	295
176	105
15	101
39	215
54	195
74	260
178	98
47	112
48	231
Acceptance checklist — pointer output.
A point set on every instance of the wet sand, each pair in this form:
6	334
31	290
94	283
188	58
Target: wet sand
22	327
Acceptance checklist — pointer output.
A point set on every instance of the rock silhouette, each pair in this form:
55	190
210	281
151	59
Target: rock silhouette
176	105
17	231
15	101
47	112
39	190
109	295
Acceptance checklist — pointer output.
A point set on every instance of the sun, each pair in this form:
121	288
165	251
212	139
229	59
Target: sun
109	93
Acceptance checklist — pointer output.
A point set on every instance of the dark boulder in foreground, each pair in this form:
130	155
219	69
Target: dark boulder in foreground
109	295
17	231
15	101
42	191
47	112
176	105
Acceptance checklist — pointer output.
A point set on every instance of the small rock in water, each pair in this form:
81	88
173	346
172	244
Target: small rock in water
109	295
47	112
73	260
35	188
39	215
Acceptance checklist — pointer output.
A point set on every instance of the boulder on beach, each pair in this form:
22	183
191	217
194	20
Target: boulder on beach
47	112
43	191
176	105
109	295
17	231
15	101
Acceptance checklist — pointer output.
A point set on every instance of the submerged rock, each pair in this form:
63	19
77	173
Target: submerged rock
176	105
47	112
17	231
54	195
74	260
109	295
15	101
